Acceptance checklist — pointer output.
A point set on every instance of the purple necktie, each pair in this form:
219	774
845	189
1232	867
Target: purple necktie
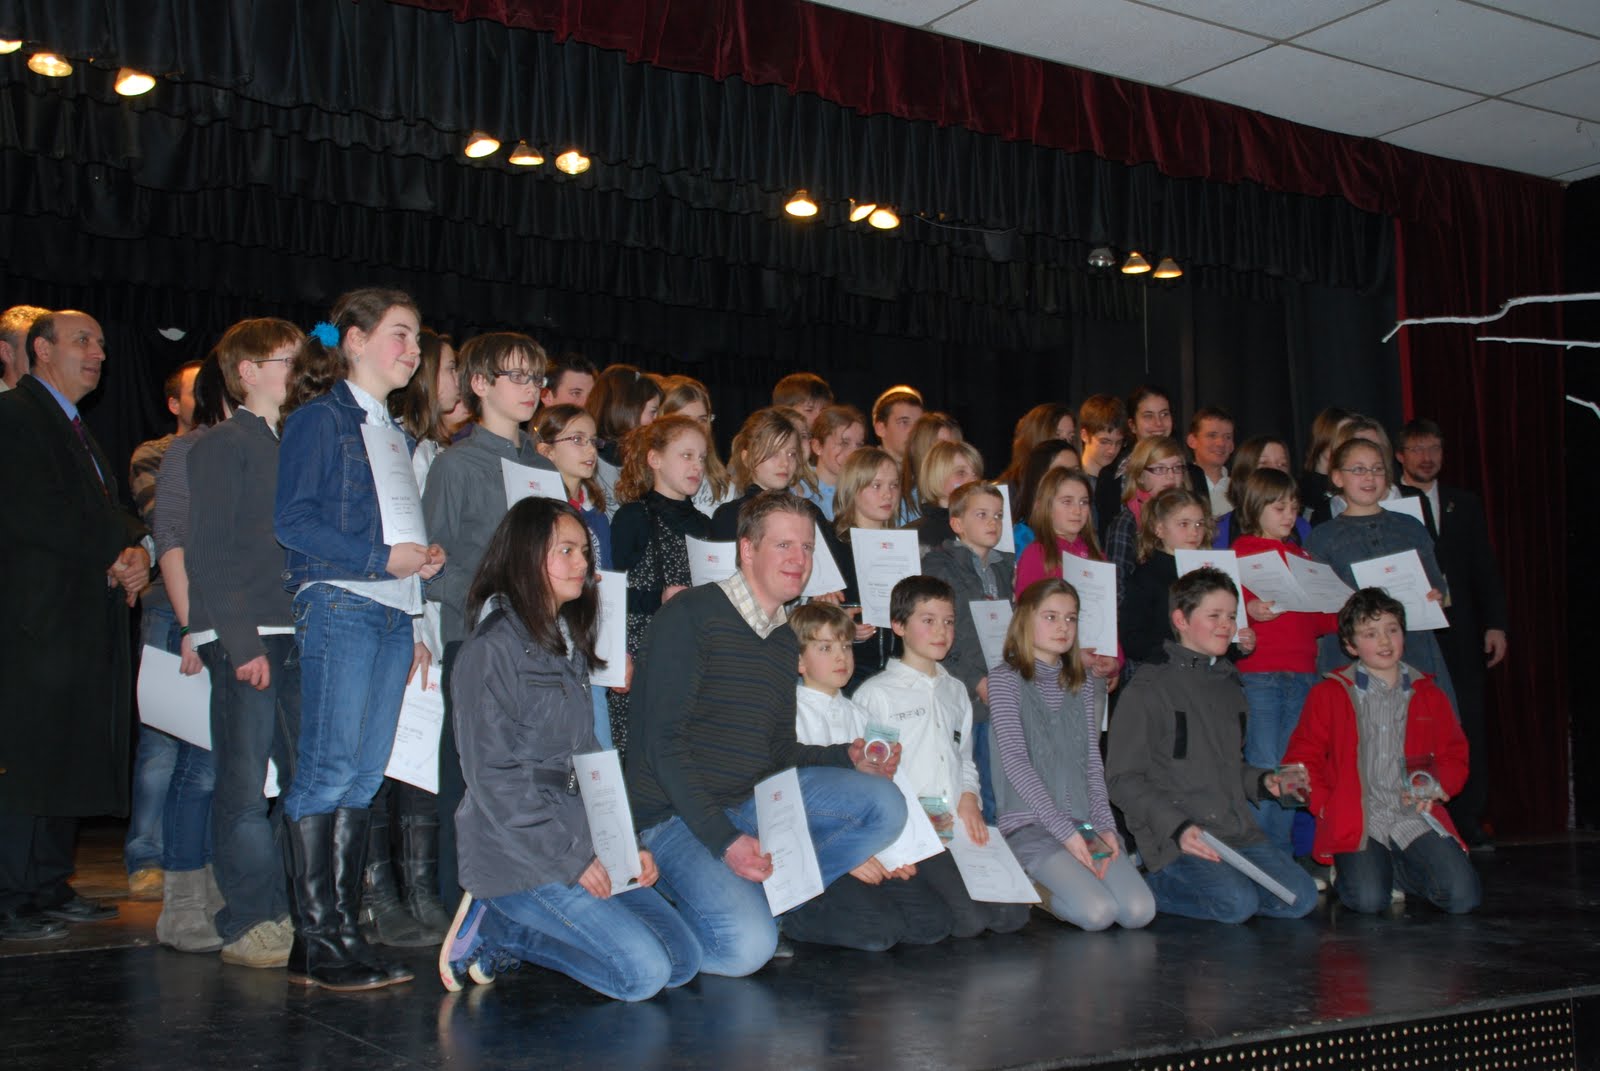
83	437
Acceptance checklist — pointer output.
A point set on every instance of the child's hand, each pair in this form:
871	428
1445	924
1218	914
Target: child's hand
863	764
870	873
257	673
435	562
1435	595
983	690
670	590
1077	846
189	662
647	869
1261	610
1246	640
1100	665
421	659
904	873
1193	844
627	680
863	632
406	559
971	814
595	881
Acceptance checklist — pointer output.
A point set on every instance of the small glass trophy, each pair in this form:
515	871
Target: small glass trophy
943	818
1294	784
1421	783
1098	848
880	743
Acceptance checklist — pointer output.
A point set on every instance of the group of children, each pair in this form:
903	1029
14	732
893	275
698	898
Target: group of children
1216	732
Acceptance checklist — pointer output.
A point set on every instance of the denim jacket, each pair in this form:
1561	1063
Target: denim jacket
326	513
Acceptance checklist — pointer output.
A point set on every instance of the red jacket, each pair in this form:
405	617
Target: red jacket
1326	741
1287	643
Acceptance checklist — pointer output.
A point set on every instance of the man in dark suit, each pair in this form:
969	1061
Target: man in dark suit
1475	642
74	563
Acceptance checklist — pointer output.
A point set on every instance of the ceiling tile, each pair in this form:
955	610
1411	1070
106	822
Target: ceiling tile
1279	20
909	12
1580	174
1581	15
1113	36
1506	135
1456	43
1577	93
1330	93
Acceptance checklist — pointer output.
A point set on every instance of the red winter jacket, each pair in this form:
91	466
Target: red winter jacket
1287	643
1326	741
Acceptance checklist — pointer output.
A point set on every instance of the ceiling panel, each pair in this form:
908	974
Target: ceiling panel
1455	43
1582	173
1581	15
1279	19
1506	135
1577	94
909	12
1330	93
1114	36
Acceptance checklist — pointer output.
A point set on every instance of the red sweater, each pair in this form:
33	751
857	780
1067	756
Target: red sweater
1326	741
1287	643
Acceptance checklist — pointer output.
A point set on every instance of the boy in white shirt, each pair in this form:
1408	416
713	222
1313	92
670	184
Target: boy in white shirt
929	709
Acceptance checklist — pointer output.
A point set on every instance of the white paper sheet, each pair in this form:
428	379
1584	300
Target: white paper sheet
991	872
1404	578
1324	590
525	481
611	642
992	617
786	836
1269	580
1008	538
883	559
918	840
825	574
605	804
1224	561
399	500
1248	869
1096	583
415	756
710	562
1410	505
177	705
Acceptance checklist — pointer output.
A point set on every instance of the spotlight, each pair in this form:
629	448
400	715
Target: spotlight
49	64
480	145
523	156
884	219
1167	269
8	47
860	210
1101	257
801	205
572	162
131	83
1135	264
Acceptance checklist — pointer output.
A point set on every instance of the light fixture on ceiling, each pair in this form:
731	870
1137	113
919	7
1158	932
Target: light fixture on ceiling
860	210
1167	269
884	218
480	145
523	156
572	162
1101	257
8	47
49	64
1135	264
801	205
131	83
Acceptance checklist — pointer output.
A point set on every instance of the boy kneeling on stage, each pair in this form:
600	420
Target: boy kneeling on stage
1175	767
1382	747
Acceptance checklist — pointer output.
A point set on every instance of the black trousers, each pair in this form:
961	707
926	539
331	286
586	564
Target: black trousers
35	860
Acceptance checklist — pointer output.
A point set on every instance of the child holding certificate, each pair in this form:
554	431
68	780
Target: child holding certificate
1176	519
535	891
1383	749
1063	509
1052	791
768	455
866	497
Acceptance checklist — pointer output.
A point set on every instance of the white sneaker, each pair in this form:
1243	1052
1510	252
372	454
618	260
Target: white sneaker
266	944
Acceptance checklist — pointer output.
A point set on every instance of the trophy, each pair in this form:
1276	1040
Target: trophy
939	812
880	743
1294	784
1098	848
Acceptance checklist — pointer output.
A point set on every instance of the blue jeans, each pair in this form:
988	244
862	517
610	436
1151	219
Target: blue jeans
354	654
851	816
602	718
249	727
186	818
1432	867
980	756
1275	700
1200	889
628	947
154	757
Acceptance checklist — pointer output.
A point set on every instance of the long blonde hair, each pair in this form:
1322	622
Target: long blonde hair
680	392
857	473
1018	650
1147	452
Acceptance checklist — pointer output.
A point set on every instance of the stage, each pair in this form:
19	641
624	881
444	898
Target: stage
1515	985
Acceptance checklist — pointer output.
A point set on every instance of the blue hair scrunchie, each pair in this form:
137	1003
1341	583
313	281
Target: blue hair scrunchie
326	333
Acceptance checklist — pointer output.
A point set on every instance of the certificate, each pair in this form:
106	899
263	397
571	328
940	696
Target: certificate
1269	580
991	872
825	575
1248	869
1324	590
611	639
992	617
710	562
1096	583
786	836
1410	505
179	706
1008	538
917	841
1225	562
525	481
883	559
605	805
415	756
399	501
1404	578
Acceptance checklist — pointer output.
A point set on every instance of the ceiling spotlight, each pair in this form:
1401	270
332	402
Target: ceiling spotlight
801	205
1101	257
884	219
1135	264
480	145
131	83
572	162
8	47
1167	269
49	64
523	156
860	210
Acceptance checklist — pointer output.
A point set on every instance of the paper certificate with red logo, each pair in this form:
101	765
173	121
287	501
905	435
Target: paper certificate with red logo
399	500
825	575
883	559
525	481
1225	562
992	617
1096	583
605	805
784	833
1404	578
414	758
710	562
611	637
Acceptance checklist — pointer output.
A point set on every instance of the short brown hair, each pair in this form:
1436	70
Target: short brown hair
962	496
817	620
798	388
485	355
754	513
252	340
1261	489
896	395
1101	413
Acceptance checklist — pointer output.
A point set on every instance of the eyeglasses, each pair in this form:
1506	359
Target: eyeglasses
1165	470
522	377
1362	470
274	360
581	441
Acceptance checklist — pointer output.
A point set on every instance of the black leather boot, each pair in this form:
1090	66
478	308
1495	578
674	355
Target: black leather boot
419	873
318	957
383	919
349	854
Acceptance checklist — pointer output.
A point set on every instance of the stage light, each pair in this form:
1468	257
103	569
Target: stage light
1168	269
49	64
884	219
1135	264
480	145
572	162
860	211
8	47
1101	257
131	83
523	156
801	205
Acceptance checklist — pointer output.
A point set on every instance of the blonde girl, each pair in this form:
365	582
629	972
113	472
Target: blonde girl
1154	465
